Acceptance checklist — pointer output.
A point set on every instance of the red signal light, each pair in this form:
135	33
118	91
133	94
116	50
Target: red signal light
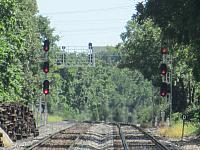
46	87
164	50
46	45
46	48
46	67
46	91
164	89
46	70
163	72
163	69
163	93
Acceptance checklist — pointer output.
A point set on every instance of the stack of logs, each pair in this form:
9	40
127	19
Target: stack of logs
17	121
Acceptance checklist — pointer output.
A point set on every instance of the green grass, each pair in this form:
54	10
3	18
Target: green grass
175	131
54	119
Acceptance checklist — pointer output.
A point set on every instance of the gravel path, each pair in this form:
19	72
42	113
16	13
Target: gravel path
188	143
102	134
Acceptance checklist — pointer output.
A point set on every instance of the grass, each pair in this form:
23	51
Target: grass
55	118
175	131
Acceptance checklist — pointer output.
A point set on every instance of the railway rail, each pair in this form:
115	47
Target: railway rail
135	138
97	135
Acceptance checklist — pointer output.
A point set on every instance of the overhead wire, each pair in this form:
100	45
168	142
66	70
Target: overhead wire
90	20
87	31
88	10
90	29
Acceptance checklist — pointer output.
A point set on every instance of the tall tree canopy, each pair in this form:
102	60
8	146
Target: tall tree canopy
141	47
20	47
179	21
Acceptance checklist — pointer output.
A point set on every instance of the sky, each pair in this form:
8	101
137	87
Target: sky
79	22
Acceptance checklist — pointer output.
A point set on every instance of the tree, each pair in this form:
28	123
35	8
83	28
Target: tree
141	47
179	22
20	46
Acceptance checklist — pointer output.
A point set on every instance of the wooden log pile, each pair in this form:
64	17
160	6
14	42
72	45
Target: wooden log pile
17	121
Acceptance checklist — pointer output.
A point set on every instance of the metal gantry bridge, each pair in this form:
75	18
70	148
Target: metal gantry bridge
83	56
76	56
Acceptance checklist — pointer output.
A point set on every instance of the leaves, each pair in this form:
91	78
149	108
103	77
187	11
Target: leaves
179	23
19	48
141	47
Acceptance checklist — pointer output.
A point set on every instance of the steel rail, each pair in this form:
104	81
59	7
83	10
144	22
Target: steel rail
154	140
47	138
124	143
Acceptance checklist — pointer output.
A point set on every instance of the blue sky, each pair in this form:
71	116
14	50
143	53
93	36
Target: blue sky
79	22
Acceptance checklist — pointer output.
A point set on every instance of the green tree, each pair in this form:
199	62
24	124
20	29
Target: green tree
141	47
179	22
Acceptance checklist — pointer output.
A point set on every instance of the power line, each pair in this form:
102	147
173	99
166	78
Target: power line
88	10
90	30
85	34
91	22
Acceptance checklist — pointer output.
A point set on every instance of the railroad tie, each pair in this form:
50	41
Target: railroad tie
17	121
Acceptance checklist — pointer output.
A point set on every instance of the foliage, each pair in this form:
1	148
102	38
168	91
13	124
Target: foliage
175	131
178	26
120	87
185	26
101	93
141	47
55	118
20	48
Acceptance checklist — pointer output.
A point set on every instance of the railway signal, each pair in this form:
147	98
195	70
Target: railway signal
46	67
163	69
46	45
90	56
164	89
46	87
90	45
164	50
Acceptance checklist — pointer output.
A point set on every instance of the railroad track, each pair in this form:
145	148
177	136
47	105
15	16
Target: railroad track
135	138
100	136
62	139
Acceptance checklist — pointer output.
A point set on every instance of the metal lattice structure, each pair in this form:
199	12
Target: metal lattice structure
75	56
